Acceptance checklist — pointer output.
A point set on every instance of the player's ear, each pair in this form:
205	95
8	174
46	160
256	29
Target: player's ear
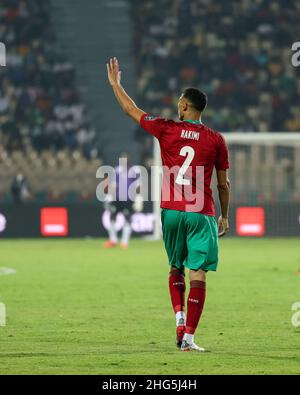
184	105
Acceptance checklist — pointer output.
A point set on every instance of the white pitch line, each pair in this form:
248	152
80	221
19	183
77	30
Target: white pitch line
6	271
2	314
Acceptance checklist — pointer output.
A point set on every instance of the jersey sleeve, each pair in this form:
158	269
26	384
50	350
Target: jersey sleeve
153	125
222	159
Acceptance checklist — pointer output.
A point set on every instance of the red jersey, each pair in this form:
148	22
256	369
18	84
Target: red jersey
189	151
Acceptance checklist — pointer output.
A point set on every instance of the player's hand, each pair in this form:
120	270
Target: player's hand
113	72
223	226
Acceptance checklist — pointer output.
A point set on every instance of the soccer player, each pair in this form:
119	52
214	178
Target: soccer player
121	203
190	231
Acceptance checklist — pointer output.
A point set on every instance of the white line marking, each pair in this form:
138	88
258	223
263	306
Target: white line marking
5	271
2	314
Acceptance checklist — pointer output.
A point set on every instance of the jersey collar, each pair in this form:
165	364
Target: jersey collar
191	121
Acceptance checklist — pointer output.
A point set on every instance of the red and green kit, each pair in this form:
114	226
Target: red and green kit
190	151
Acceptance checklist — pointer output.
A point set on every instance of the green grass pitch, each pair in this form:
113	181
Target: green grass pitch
75	308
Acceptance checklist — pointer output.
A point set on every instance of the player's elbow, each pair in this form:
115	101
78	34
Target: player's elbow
224	186
129	110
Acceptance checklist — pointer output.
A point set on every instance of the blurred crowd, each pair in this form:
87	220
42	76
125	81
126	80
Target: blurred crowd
238	52
39	104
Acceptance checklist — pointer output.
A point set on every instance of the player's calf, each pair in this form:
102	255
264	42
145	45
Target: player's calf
196	300
177	294
180	330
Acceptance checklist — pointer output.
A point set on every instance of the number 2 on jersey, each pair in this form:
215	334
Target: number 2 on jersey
189	153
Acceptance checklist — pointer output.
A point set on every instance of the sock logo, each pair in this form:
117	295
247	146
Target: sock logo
178	284
193	300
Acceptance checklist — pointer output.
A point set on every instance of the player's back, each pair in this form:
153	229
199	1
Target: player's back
203	141
189	151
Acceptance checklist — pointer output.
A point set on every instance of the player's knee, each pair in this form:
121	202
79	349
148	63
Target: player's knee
197	275
176	272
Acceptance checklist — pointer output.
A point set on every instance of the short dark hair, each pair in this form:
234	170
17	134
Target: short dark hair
197	98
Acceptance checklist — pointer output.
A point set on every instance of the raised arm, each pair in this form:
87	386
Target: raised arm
224	197
126	103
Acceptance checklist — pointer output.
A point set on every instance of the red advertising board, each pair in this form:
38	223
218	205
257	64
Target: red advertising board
250	221
54	221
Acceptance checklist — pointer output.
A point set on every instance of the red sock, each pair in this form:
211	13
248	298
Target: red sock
177	289
196	301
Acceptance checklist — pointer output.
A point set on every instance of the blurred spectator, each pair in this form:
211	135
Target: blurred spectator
38	96
20	189
238	52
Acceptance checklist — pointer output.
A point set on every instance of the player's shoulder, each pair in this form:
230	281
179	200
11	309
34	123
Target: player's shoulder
213	134
153	118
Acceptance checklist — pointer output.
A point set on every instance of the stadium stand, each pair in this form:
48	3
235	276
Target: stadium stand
237	52
44	129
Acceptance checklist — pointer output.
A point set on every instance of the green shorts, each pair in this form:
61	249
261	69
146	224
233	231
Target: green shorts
191	240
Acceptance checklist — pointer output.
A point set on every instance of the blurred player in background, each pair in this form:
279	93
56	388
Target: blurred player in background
121	202
190	230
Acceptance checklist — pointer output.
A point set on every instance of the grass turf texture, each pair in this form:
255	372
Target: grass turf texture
75	308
